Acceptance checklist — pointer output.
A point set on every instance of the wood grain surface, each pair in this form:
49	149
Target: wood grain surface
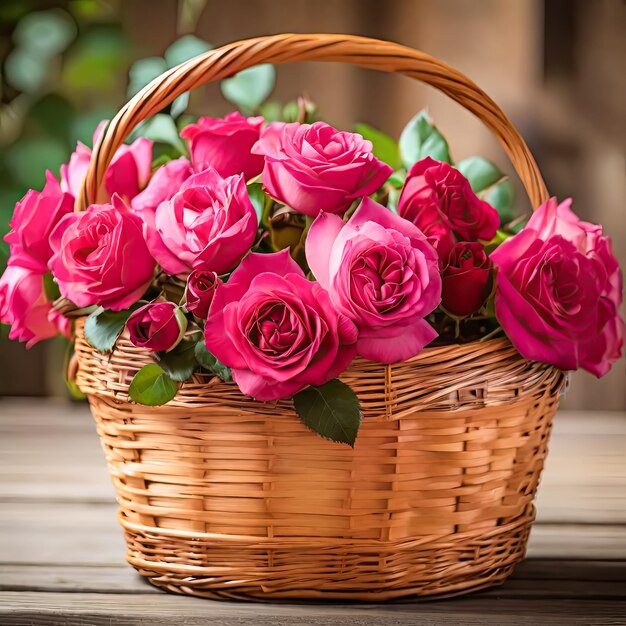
62	552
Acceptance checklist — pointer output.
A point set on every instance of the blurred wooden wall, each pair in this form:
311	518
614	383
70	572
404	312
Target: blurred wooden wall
555	67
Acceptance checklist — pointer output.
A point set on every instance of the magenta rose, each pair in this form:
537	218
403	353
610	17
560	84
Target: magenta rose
225	144
314	167
100	257
466	280
164	184
25	308
35	217
157	326
382	273
439	200
201	288
277	330
208	225
126	176
559	289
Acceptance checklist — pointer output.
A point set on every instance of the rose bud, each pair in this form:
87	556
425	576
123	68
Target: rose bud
201	288
466	279
157	326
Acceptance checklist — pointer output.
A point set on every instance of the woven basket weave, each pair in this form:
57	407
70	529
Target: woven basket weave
224	497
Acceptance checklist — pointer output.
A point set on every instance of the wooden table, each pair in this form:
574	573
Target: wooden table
62	553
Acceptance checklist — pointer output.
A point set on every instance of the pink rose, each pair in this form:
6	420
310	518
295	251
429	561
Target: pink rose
157	326
225	144
439	200
24	306
314	167
35	216
200	291
559	289
466	280
164	184
277	330
208	225
100	257
382	273
126	176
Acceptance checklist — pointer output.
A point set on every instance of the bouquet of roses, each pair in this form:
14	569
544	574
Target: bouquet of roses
275	253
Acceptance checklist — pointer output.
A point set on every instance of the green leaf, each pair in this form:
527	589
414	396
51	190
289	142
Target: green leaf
161	128
45	33
384	147
397	178
184	49
25	71
258	198
480	172
210	363
332	410
502	197
50	287
250	88
143	72
151	386
103	327
499	237
419	139
180	363
179	106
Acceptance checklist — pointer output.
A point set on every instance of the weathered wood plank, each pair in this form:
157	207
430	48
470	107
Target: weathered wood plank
162	609
532	580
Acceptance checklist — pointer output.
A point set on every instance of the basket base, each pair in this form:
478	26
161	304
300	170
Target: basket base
228	569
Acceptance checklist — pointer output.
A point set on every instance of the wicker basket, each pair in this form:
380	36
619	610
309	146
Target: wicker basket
224	497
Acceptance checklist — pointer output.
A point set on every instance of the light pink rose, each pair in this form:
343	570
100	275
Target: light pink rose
277	330
24	306
314	167
225	144
208	225
164	184
100	257
157	326
126	176
559	289
439	200
35	216
382	273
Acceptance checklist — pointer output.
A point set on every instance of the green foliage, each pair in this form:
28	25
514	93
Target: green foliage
161	128
249	88
210	363
332	410
420	138
184	49
384	147
143	72
50	287
47	33
151	386
258	198
490	184
179	363
103	327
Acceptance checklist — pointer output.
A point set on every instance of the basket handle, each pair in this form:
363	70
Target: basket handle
290	48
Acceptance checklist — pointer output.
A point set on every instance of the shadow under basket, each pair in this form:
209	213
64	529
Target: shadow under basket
224	497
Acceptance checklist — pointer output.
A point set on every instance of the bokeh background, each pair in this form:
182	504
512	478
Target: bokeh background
555	66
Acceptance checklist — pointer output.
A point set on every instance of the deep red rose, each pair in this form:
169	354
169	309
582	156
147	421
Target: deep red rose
466	279
439	200
201	288
157	326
